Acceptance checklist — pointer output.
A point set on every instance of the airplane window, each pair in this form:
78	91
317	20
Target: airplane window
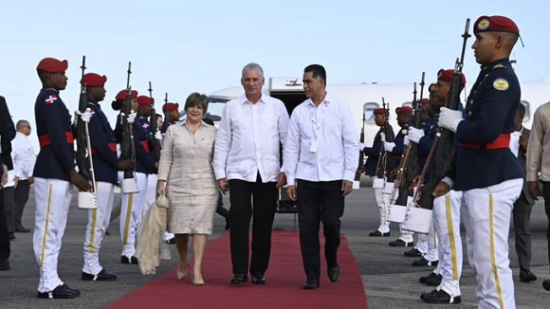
368	110
527	111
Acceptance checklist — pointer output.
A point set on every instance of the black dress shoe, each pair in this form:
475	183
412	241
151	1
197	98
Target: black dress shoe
107	232
334	273
377	233
21	229
239	278
413	253
171	241
103	275
440	297
61	291
400	243
258	279
527	276
422	262
311	285
128	260
546	284
5	264
11	236
424	279
435	281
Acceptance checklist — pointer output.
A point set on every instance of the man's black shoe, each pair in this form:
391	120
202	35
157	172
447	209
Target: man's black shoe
424	279
546	284
171	241
311	285
422	262
413	253
400	243
128	260
435	281
377	233
5	264
334	273
258	279
11	236
526	276
440	297
239	278
103	275
61	291
21	229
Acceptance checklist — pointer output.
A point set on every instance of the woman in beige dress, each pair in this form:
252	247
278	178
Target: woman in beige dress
186	176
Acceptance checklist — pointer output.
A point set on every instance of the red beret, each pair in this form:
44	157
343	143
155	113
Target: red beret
122	95
94	80
432	88
380	111
495	23
145	100
403	110
447	75
52	65
424	101
170	107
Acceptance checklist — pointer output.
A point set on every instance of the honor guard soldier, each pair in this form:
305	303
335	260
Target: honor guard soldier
171	110
373	154
486	175
106	164
133	204
54	172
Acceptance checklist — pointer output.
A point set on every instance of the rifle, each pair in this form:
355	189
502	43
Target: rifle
129	182
154	128
86	200
389	162
442	146
361	154
409	167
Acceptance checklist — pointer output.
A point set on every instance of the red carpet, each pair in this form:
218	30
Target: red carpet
285	277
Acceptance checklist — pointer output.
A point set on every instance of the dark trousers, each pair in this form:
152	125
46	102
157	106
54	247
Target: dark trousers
546	196
5	248
9	208
319	202
21	198
522	219
255	200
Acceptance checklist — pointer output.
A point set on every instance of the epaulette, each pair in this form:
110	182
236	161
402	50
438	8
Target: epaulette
499	66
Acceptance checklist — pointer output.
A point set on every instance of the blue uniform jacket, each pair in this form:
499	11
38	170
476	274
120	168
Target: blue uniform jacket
7	132
53	127
373	152
142	141
399	141
103	143
490	112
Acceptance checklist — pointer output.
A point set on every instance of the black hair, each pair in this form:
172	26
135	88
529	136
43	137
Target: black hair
317	71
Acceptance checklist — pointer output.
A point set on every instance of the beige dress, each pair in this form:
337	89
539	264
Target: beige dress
191	188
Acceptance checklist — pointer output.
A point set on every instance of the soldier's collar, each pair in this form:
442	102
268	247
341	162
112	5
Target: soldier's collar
52	89
498	64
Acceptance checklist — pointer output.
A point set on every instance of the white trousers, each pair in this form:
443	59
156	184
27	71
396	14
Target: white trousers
151	195
382	200
52	198
487	214
98	221
446	219
407	236
132	207
421	243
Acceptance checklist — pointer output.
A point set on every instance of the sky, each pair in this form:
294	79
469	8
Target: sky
201	45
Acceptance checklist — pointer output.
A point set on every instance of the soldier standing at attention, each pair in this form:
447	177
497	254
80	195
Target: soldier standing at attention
54	172
487	190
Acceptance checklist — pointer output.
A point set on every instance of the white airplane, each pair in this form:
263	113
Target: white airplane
365	98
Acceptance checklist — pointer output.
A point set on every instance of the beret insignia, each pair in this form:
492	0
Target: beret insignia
483	24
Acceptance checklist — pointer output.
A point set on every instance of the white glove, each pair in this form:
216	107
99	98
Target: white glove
389	146
382	137
406	140
158	135
132	117
86	115
415	135
361	146
449	119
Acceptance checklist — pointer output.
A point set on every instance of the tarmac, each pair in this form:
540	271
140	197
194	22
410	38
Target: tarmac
389	279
